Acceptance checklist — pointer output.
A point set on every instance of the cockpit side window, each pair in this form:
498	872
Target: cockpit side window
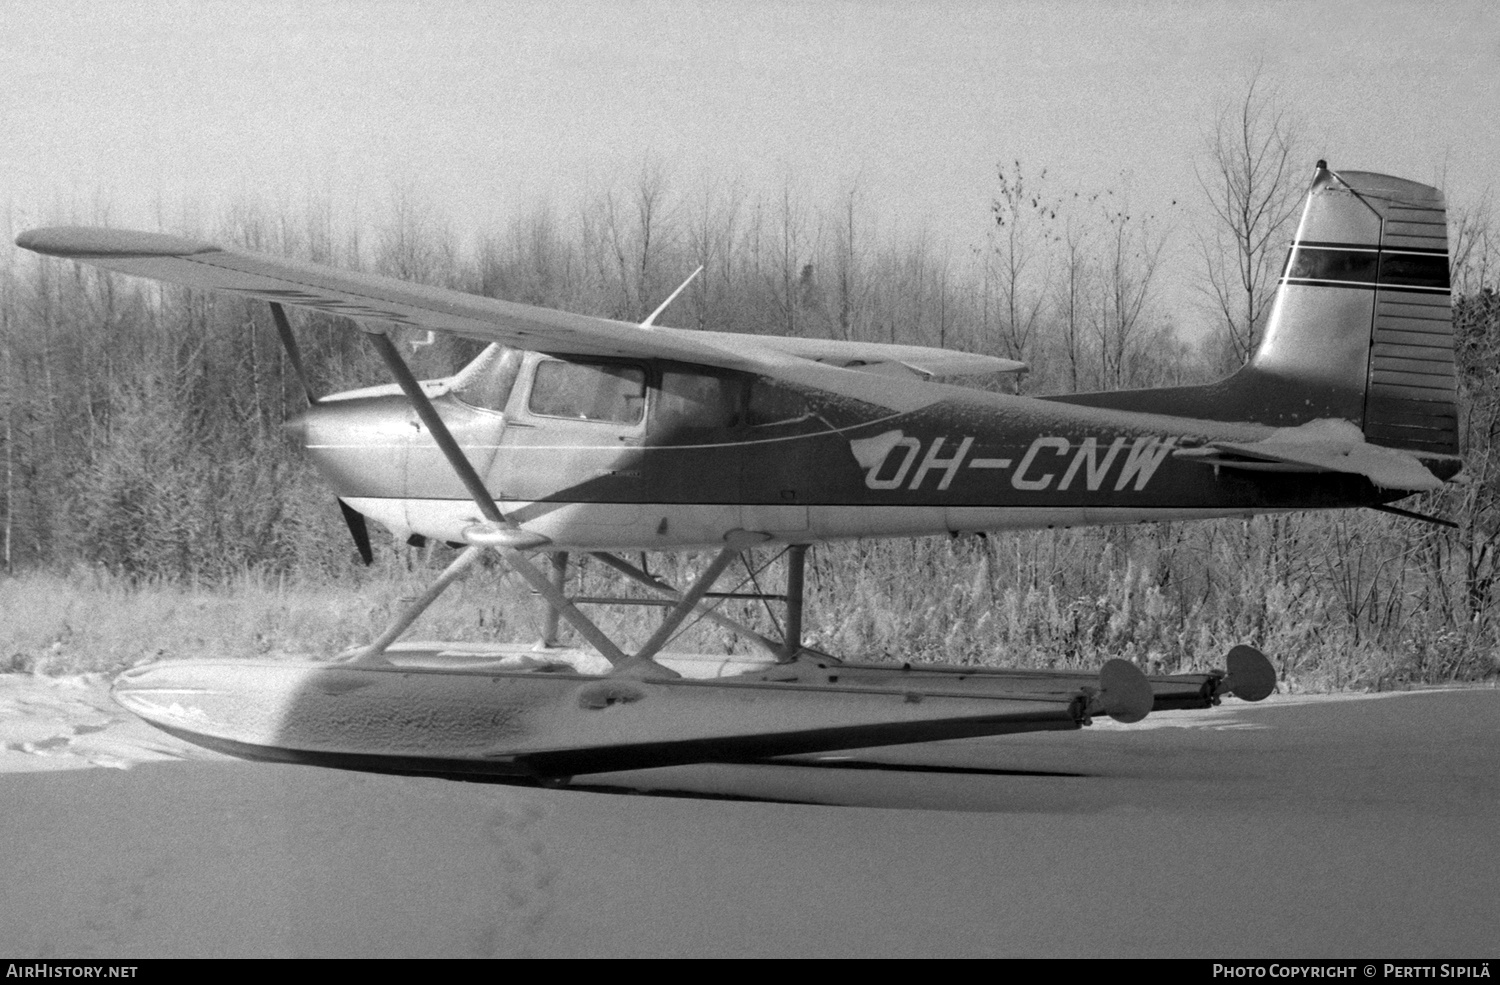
488	380
589	391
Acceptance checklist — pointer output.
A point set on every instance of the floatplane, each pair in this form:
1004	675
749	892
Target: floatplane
576	435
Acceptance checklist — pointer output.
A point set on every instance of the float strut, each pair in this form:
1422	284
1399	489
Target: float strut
559	582
796	561
773	647
682	609
462	563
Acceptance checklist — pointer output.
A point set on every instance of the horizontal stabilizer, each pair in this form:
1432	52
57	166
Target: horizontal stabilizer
1319	446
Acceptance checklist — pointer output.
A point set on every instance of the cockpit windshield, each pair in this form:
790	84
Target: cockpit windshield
487	381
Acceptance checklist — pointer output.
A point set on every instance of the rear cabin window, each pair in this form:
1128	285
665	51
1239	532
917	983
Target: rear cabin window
698	400
771	404
589	392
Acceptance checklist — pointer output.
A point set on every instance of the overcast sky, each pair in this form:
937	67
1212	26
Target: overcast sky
487	106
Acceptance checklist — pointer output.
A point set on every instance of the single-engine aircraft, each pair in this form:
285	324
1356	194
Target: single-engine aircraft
572	433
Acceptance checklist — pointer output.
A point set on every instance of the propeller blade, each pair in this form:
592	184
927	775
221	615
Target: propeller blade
355	520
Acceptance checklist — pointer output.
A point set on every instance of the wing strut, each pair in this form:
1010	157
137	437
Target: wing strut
293	353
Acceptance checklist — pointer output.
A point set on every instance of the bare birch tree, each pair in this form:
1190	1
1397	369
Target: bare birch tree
416	243
1072	291
794	244
1250	177
850	286
1130	251
1019	247
710	242
637	230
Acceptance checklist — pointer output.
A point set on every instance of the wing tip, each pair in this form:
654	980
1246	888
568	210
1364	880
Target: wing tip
80	242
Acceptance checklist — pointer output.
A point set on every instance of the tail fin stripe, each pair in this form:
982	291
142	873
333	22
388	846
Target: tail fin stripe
1368	285
1328	244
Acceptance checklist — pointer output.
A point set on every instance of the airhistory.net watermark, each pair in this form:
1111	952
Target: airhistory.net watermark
67	969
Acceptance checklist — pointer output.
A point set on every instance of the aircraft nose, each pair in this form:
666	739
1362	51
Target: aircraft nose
357	442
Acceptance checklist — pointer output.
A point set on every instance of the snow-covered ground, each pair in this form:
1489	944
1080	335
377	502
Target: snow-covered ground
1346	826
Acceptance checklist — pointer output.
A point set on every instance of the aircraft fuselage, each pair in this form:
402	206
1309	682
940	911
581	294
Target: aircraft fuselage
654	455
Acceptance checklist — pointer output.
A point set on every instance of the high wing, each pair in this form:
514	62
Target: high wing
1319	446
368	297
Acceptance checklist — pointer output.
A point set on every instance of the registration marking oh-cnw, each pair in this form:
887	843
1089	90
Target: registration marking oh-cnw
894	460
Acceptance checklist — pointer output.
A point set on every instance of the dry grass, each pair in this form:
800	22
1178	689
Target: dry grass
1323	595
94	622
90	621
